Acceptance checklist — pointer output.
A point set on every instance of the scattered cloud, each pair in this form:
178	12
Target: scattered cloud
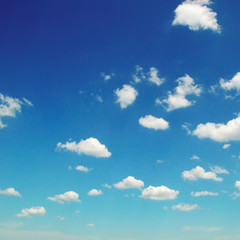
159	193
232	84
203	193
82	168
10	192
90	146
200	173
99	98
196	15
126	96
219	170
129	182
60	218
225	146
186	126
107	77
27	212
195	157
95	192
201	229
185	207
186	86
107	185
154	78
139	75
152	122
65	197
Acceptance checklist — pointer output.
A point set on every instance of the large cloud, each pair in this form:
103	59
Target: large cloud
27	212
200	173
10	192
186	86
159	193
150	121
90	146
185	207
232	84
219	132
129	182
69	196
126	96
196	15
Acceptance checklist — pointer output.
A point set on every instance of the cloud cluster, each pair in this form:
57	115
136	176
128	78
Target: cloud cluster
10	192
185	207
69	196
186	86
27	212
196	15
95	192
90	146
152	122
129	182
203	193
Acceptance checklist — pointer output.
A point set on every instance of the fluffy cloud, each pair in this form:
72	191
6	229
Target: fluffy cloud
66	197
219	170
186	86
126	96
32	211
129	182
153	77
95	192
203	193
200	173
237	185
9	107
90	146
185	207
150	121
159	193
219	132
196	15
82	168
10	192
232	84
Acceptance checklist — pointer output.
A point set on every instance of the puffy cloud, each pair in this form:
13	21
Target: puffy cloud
27	212
66	197
129	182
196	15
95	192
150	121
186	86
237	185
232	84
9	107
225	146
82	168
159	193
10	192
185	207
195	157
126	96
219	132
203	193
200	173
90	146
139	75
219	170
107	77
153	77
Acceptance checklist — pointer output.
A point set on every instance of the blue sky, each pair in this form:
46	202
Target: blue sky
119	120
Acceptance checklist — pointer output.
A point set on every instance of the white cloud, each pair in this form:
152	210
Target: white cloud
126	96
90	146
153	77
107	77
10	192
200	173
82	168
195	157
186	86
237	185
27	212
66	197
99	98
91	225
219	170
139	75
129	182
225	146
159	161
203	193
159	193
196	15
95	192
185	207
107	185
9	107
150	121
232	84
219	132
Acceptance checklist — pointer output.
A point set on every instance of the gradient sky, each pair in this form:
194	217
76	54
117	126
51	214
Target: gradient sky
119	120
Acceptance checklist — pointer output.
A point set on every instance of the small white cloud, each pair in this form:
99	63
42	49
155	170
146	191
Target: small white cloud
203	193
69	196
195	157
10	192
237	185
99	98
186	126
225	146
196	15
219	132
107	77
82	168
185	207
186	86
77	212
219	170
153	77
159	193
232	84
129	182
60	218
139	75
159	161
152	122
107	185
126	96
95	192
90	146
27	212
200	173
91	225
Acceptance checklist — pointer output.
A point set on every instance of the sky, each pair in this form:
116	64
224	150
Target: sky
119	120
